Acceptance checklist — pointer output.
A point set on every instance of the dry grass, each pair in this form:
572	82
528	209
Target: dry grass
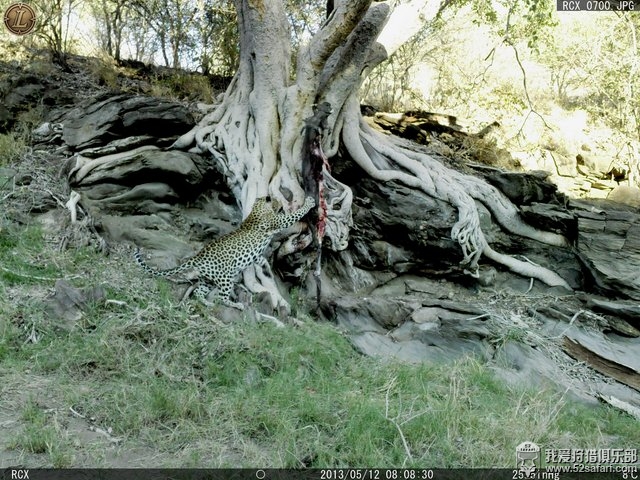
12	146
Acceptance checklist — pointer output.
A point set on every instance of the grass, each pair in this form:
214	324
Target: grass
172	380
40	435
12	146
183	85
104	71
22	261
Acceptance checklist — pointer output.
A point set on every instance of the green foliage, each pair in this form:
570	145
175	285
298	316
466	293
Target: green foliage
114	21
15	143
539	19
594	67
483	12
217	32
615	79
388	85
511	20
55	26
190	34
12	50
305	18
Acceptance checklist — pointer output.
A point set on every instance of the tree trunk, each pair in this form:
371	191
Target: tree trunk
255	133
163	47
107	23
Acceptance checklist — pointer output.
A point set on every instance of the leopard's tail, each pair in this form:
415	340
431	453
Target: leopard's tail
152	271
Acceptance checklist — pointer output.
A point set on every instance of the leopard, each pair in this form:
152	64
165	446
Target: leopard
220	261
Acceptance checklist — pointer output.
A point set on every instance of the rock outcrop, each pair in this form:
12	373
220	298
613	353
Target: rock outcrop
99	121
398	290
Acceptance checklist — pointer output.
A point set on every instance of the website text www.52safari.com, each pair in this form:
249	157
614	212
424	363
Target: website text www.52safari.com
554	472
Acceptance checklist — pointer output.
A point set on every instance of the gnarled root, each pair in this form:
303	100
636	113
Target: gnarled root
339	198
388	159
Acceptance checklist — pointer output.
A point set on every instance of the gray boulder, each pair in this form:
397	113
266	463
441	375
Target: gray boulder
100	121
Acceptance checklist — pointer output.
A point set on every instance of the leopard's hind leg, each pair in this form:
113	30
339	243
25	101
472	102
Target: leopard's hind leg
202	291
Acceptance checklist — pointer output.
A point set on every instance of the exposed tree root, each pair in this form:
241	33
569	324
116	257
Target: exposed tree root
386	160
527	269
383	158
72	205
255	137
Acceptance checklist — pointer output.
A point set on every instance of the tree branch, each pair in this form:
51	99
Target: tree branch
341	22
347	62
404	22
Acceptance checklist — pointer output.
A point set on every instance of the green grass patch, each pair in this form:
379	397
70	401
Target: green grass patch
307	398
22	258
41	434
173	379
